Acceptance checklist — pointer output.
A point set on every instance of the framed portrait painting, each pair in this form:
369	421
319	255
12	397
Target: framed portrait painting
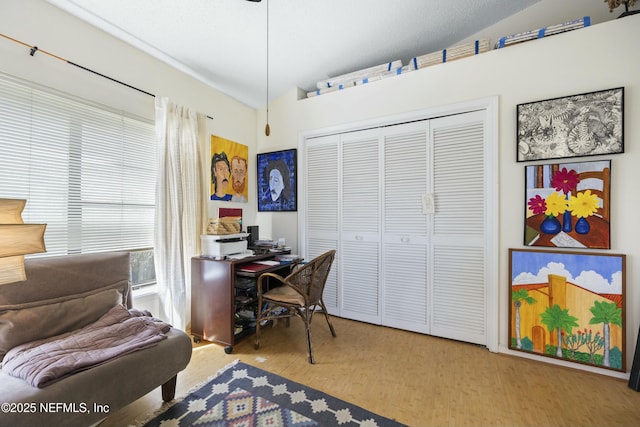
277	181
568	205
568	305
229	170
587	124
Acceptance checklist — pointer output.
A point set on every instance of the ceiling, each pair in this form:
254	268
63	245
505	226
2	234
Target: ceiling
223	43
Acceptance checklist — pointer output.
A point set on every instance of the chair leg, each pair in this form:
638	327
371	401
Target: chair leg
256	344
307	325
326	316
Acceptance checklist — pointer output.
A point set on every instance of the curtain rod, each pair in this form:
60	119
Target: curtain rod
34	49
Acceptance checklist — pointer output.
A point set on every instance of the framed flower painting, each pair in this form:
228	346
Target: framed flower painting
588	124
568	205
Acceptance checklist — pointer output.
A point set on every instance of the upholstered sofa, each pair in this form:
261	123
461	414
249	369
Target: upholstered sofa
64	295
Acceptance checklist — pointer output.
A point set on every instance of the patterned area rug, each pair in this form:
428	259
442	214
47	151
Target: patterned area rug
245	396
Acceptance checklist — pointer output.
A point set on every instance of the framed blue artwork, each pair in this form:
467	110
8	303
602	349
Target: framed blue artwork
277	181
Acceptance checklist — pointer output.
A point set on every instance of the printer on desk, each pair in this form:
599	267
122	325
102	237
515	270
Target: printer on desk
220	246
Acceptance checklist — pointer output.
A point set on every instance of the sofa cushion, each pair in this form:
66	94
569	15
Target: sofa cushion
30	321
68	276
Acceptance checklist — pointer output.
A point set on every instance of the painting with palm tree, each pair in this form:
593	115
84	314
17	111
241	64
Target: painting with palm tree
568	305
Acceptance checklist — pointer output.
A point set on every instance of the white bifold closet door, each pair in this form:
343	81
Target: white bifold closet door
360	226
405	207
457	285
405	250
321	208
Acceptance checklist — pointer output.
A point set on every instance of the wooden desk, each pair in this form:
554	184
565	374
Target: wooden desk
214	302
596	238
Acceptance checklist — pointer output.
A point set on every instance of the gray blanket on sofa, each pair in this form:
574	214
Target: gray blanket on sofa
116	333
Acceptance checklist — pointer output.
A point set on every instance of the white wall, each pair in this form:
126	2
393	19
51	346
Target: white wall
599	57
36	22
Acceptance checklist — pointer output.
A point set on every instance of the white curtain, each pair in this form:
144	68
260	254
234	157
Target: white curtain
180	206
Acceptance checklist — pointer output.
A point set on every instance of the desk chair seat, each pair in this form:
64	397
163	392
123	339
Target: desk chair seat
299	294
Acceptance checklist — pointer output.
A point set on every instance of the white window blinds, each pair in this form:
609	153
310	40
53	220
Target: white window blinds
86	171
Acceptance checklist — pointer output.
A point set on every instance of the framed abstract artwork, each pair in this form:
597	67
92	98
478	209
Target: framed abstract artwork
277	181
587	124
568	305
568	205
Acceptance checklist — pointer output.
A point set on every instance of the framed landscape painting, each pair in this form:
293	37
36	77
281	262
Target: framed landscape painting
568	305
588	124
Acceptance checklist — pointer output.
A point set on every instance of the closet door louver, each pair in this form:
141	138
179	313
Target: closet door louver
405	251
322	191
457	281
360	221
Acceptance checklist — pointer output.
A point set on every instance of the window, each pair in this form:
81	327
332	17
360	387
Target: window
143	269
86	170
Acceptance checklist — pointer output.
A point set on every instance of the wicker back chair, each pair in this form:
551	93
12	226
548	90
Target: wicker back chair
300	294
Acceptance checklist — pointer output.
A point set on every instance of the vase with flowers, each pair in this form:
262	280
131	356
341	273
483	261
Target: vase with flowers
565	181
565	201
551	207
583	205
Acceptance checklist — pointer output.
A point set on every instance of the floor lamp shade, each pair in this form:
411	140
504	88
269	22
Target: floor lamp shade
21	239
16	240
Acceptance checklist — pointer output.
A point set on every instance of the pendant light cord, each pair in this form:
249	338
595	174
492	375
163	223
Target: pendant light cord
267	129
